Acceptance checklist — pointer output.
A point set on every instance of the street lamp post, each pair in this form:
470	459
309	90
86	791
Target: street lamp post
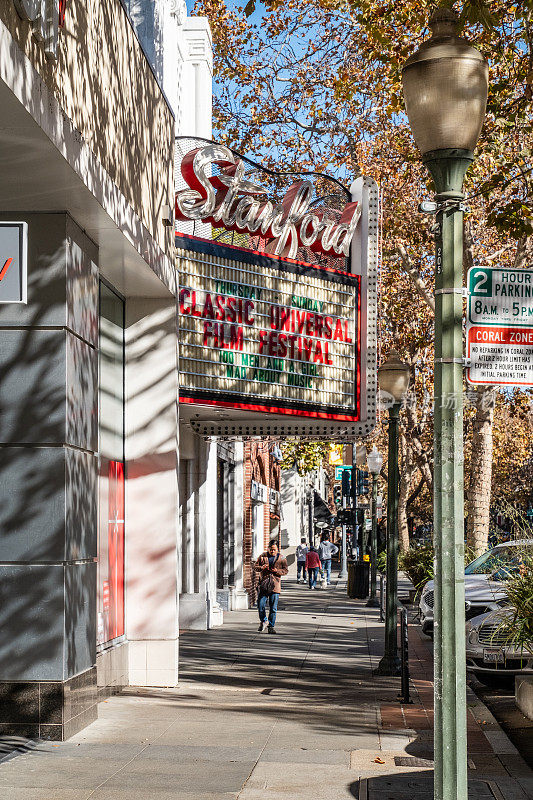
393	378
375	462
445	88
345	483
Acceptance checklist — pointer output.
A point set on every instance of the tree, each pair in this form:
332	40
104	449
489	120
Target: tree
305	456
317	85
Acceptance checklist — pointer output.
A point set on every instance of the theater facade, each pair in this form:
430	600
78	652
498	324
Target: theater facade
89	545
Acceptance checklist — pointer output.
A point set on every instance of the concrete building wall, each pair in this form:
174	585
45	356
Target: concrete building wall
48	495
151	492
197	77
88	164
291	501
295	498
194	114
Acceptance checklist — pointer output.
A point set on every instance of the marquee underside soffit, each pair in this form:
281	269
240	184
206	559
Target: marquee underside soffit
231	423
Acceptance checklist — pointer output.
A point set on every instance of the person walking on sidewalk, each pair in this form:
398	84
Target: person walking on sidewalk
270	566
301	553
326	550
312	562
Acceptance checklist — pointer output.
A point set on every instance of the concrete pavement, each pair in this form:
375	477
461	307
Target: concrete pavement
283	717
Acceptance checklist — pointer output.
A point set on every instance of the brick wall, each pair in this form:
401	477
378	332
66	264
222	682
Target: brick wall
258	467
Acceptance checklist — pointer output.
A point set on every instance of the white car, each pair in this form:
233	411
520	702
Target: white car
484	582
488	652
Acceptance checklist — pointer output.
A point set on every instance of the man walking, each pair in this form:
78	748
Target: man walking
312	562
326	549
270	566
301	554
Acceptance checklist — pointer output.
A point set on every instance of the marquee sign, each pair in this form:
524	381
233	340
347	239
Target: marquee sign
267	334
271	344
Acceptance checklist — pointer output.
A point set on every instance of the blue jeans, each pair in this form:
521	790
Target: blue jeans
300	567
326	568
312	572
273	606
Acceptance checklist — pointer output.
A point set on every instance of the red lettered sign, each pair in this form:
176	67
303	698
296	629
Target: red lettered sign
500	355
266	335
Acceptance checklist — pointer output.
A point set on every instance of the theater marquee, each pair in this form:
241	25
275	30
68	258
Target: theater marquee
271	344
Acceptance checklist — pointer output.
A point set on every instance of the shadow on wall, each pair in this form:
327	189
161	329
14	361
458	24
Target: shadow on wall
291	558
104	84
47	490
151	451
125	118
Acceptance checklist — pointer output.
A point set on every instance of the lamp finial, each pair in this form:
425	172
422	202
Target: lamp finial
443	22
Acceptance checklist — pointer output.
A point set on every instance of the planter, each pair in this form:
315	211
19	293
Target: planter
524	694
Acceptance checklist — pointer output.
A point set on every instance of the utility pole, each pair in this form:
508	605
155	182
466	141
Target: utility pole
393	378
375	462
390	663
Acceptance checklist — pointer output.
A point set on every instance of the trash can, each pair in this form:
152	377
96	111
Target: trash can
361	580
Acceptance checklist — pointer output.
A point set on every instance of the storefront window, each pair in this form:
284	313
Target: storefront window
111	473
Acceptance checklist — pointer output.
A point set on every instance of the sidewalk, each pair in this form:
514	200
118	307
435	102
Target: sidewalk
284	717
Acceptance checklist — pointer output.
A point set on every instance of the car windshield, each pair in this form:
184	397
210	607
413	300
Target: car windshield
500	562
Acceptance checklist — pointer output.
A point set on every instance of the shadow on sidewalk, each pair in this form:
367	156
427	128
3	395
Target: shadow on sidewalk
419	786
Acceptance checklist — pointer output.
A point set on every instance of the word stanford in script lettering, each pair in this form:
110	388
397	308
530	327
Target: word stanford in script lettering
231	201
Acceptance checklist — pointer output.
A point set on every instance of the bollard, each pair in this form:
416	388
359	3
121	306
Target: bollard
404	648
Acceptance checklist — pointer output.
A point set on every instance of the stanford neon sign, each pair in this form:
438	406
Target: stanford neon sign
231	201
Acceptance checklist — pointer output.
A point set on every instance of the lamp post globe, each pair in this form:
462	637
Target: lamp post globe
375	462
445	86
393	378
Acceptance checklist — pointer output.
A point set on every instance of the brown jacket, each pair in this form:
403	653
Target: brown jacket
280	568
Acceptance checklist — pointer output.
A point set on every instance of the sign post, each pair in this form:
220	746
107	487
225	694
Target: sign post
340	469
499	335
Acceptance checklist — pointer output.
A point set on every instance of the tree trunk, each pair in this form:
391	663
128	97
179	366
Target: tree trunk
479	489
406	477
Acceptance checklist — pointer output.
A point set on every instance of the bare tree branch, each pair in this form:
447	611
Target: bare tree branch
416	278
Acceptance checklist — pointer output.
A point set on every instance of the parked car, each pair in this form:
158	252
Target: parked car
488	653
484	582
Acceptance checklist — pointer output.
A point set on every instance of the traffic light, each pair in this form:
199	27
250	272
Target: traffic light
345	483
354	485
337	494
362	482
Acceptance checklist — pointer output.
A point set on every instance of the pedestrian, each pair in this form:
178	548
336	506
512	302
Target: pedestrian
326	550
270	566
312	562
301	553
